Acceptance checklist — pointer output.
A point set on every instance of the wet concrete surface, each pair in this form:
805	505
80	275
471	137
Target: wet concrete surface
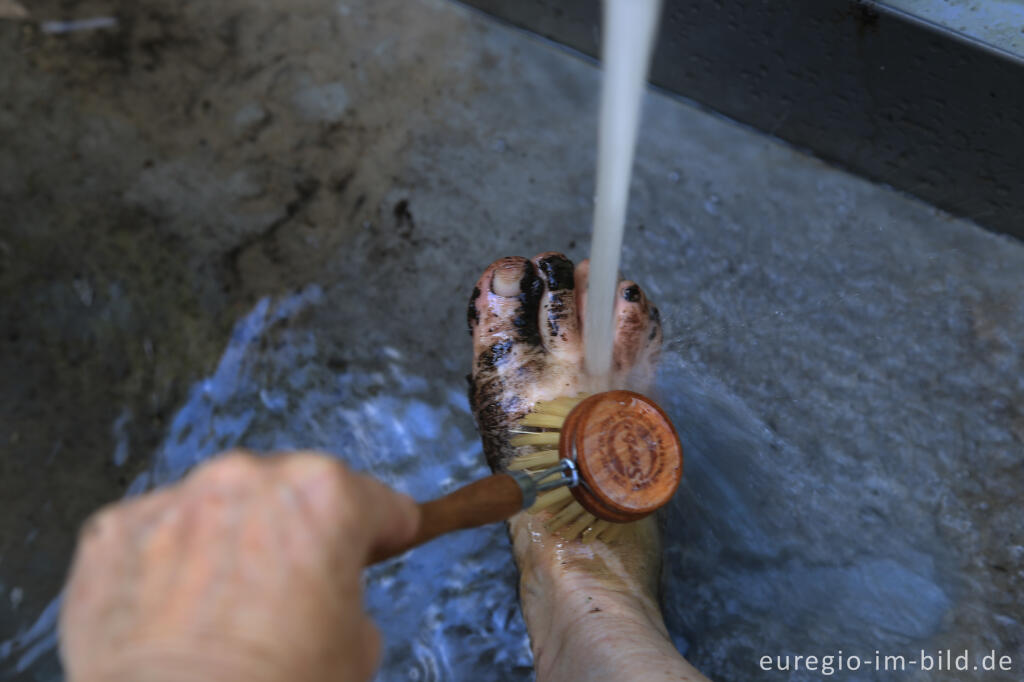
258	225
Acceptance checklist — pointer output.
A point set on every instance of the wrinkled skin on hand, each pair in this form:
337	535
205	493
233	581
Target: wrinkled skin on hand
249	569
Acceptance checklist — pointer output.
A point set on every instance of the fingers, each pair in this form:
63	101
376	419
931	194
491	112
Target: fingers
370	648
358	513
88	596
262	550
392	519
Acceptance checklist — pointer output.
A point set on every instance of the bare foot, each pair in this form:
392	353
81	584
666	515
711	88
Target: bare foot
590	608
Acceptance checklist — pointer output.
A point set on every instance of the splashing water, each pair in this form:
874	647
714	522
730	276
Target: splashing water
629	29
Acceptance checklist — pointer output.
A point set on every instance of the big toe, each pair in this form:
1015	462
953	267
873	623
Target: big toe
503	305
507	350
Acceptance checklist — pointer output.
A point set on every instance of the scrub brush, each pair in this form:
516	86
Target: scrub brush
631	464
597	462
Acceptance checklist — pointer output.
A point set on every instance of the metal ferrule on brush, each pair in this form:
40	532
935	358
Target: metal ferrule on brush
531	486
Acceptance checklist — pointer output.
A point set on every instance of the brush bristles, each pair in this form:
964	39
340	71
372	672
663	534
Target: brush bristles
591	533
540	438
542	459
571	512
581	524
550	498
613	532
559	407
568	518
550	421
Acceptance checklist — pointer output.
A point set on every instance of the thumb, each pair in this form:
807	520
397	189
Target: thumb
356	510
390	518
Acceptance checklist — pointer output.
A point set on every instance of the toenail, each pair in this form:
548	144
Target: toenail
558	272
507	277
631	293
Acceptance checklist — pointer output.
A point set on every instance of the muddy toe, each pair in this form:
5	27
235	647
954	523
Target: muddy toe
507	350
525	319
559	318
637	336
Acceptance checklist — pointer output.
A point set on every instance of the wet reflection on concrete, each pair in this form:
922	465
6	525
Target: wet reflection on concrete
447	610
240	226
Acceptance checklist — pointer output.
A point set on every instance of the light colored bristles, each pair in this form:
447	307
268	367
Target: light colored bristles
560	507
551	410
578	527
590	534
545	438
549	498
612	532
559	407
564	509
567	515
547	421
542	459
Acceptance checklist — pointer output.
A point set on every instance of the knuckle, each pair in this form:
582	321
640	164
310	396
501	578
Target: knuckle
328	486
100	524
337	481
339	476
230	469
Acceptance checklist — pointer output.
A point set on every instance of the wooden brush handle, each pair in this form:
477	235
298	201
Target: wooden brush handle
491	499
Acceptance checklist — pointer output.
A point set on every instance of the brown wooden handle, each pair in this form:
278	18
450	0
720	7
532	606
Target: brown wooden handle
488	500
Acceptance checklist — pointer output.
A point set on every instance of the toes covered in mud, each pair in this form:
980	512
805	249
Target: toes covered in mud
558	314
638	331
526	321
504	303
507	349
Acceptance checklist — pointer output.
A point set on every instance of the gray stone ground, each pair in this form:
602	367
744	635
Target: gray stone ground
997	22
230	223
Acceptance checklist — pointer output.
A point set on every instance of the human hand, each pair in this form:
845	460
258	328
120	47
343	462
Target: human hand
248	569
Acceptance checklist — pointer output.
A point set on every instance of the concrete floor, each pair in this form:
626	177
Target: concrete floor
996	22
845	363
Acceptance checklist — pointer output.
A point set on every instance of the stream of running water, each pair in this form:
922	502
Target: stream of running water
628	30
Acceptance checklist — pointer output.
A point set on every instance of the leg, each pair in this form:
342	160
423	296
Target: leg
591	610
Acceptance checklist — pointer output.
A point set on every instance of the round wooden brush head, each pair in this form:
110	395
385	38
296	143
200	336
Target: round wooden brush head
628	454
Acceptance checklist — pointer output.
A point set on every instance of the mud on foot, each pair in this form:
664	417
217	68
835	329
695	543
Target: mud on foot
526	321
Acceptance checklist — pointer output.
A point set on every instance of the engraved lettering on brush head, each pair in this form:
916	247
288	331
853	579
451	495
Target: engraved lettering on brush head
637	464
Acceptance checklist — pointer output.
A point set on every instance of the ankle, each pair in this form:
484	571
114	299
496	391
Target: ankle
622	641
